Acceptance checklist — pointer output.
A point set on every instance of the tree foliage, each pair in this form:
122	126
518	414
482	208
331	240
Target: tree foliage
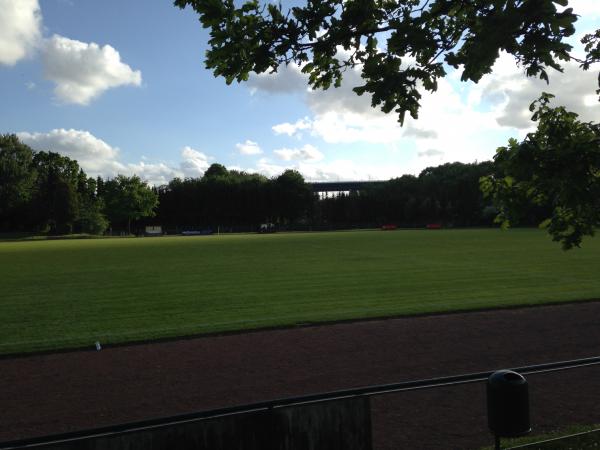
448	194
230	198
55	202
16	177
293	196
401	46
556	167
128	198
49	193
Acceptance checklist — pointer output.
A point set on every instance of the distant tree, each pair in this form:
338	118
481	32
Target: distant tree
17	177
453	190
557	167
55	203
215	170
91	217
293	195
127	199
64	207
220	198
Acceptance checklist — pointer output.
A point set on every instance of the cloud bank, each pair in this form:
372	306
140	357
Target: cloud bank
20	29
98	158
306	153
248	148
83	71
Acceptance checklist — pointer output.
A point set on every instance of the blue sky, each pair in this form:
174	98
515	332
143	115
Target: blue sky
121	87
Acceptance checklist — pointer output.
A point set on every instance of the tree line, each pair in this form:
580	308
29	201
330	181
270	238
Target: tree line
49	193
45	192
555	169
233	199
448	194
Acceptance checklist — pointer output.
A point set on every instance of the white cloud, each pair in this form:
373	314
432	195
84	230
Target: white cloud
97	158
344	170
20	29
194	163
339	115
336	170
306	153
343	126
265	167
430	153
589	9
412	131
510	92
342	98
292	129
459	122
83	71
462	131
287	79
249	148
154	174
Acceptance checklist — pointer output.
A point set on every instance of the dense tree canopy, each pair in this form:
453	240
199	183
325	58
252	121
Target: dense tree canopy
38	190
55	202
127	199
401	46
557	167
16	178
49	193
230	198
530	182
448	195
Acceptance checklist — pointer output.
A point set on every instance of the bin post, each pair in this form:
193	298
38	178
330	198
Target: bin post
507	405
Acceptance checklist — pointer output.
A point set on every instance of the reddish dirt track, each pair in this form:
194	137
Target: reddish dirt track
44	394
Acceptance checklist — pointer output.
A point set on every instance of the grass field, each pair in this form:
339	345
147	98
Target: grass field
60	294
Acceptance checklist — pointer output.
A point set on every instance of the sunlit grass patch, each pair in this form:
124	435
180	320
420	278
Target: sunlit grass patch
60	294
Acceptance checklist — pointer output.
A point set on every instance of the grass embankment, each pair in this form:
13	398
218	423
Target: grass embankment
60	294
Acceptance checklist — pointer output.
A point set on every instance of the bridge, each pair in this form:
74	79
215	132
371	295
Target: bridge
341	186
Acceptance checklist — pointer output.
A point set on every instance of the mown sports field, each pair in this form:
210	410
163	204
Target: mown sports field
71	293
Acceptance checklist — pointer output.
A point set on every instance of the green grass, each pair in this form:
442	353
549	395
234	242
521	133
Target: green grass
569	438
61	294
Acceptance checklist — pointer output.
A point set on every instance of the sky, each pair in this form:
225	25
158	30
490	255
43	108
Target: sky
121	87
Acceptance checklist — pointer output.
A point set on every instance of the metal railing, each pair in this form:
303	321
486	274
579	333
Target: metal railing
373	390
577	441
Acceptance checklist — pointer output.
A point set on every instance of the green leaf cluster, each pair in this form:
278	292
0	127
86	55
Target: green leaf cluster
556	167
400	46
48	192
129	198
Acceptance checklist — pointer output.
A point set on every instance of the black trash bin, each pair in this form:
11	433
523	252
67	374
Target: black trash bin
508	404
